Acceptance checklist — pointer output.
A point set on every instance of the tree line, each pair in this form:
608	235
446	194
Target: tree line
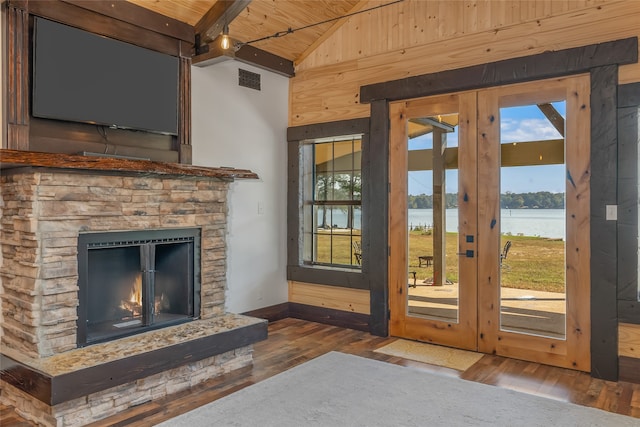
509	200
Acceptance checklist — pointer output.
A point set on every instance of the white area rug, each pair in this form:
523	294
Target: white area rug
433	354
339	389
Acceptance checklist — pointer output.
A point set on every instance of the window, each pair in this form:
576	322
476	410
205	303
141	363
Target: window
332	191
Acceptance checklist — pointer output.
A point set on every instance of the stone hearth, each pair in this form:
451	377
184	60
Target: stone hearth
44	375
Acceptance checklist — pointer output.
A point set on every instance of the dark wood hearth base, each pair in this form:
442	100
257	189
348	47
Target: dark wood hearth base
50	382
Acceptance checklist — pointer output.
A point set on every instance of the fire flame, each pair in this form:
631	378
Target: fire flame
136	291
134	304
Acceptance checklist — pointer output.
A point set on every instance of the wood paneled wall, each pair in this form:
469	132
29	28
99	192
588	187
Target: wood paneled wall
415	37
333	297
419	37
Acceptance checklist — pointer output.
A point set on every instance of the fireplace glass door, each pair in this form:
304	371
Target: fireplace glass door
130	282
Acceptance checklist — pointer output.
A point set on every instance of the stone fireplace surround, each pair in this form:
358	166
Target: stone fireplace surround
47	201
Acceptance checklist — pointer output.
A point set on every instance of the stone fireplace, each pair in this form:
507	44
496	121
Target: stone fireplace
134	281
113	271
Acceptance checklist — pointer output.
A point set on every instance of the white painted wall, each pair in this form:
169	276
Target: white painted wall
245	128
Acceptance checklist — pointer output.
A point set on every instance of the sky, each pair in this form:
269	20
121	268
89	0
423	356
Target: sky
517	124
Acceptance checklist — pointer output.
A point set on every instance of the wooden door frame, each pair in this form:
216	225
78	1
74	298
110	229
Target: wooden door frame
573	351
601	61
463	333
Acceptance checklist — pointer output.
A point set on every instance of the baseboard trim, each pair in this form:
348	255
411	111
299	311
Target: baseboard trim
271	313
329	316
629	369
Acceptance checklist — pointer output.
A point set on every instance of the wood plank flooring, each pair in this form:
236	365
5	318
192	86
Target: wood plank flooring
292	342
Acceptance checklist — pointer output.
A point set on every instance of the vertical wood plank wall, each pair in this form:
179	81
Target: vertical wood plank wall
418	37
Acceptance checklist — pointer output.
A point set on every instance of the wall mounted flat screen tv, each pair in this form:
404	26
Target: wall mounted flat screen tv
79	76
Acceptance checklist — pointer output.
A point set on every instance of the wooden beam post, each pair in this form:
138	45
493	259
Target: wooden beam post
439	207
248	54
221	13
18	79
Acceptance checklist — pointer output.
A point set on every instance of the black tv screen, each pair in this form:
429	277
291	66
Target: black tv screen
83	77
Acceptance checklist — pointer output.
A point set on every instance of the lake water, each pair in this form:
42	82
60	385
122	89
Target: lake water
527	222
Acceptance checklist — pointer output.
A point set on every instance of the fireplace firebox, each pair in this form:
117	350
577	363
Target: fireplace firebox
134	281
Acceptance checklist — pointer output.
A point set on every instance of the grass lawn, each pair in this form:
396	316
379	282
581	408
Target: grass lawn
534	263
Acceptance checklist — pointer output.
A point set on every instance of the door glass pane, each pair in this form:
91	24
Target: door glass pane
532	220
433	218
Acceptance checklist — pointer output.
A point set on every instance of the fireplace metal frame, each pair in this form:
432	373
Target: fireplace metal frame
147	240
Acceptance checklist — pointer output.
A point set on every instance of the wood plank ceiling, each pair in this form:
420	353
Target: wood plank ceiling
262	18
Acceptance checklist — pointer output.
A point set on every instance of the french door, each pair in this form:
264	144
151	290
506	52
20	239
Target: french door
489	221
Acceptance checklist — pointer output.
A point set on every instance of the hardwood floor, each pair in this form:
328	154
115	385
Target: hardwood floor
292	342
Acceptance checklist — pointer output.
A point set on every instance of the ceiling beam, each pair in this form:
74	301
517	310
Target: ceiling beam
135	15
428	121
212	53
553	116
222	12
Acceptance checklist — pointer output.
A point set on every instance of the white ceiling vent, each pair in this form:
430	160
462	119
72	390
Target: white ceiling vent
248	79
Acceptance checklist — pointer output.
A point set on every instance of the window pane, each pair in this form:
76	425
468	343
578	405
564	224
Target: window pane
433	262
341	249
344	159
323	246
532	220
356	229
323	156
333	192
357	186
343	186
323	186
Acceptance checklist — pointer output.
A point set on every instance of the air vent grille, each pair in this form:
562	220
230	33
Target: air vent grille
248	79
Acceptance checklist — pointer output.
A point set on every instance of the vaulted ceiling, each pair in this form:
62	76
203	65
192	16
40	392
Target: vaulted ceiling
250	20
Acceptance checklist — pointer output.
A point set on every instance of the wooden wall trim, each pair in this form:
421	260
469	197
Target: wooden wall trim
356	279
629	95
184	112
271	313
629	369
534	67
604	159
323	276
294	205
328	316
15	159
17	79
88	20
321	130
629	312
627	188
139	16
376	194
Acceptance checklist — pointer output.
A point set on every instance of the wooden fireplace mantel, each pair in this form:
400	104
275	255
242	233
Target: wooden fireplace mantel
10	159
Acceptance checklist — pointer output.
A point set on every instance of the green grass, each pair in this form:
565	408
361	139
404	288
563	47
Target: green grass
533	263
